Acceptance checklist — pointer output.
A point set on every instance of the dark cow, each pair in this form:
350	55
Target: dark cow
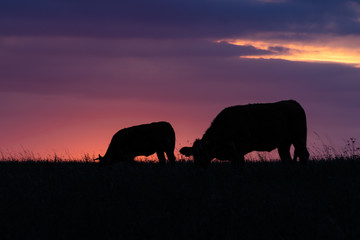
241	129
141	140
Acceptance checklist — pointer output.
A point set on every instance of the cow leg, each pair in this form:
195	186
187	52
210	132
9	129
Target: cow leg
237	162
161	157
304	157
171	157
284	153
237	159
302	153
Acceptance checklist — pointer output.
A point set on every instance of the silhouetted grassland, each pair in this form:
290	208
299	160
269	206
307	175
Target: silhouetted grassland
265	200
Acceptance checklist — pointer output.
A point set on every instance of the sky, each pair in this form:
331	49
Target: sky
72	73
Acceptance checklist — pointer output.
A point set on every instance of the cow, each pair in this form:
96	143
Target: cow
238	130
141	140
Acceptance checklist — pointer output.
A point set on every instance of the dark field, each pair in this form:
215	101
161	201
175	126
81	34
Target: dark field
265	200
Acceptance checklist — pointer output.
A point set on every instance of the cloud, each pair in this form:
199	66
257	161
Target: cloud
279	49
317	48
175	19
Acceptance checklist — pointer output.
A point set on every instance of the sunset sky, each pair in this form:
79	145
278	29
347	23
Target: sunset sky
74	72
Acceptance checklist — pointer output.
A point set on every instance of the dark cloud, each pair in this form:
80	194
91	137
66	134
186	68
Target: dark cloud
279	49
169	19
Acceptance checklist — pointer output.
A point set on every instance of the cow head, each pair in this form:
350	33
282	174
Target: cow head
201	156
187	151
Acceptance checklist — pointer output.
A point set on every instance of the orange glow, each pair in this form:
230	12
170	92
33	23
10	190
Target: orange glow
331	49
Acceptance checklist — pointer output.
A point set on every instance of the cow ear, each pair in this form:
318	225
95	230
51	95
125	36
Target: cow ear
187	151
99	158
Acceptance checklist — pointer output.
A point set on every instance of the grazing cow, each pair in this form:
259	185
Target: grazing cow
241	129
141	140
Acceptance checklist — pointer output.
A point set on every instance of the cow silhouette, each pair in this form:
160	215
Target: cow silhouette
241	129
141	140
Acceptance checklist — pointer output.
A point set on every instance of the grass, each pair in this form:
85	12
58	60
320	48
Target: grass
143	200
